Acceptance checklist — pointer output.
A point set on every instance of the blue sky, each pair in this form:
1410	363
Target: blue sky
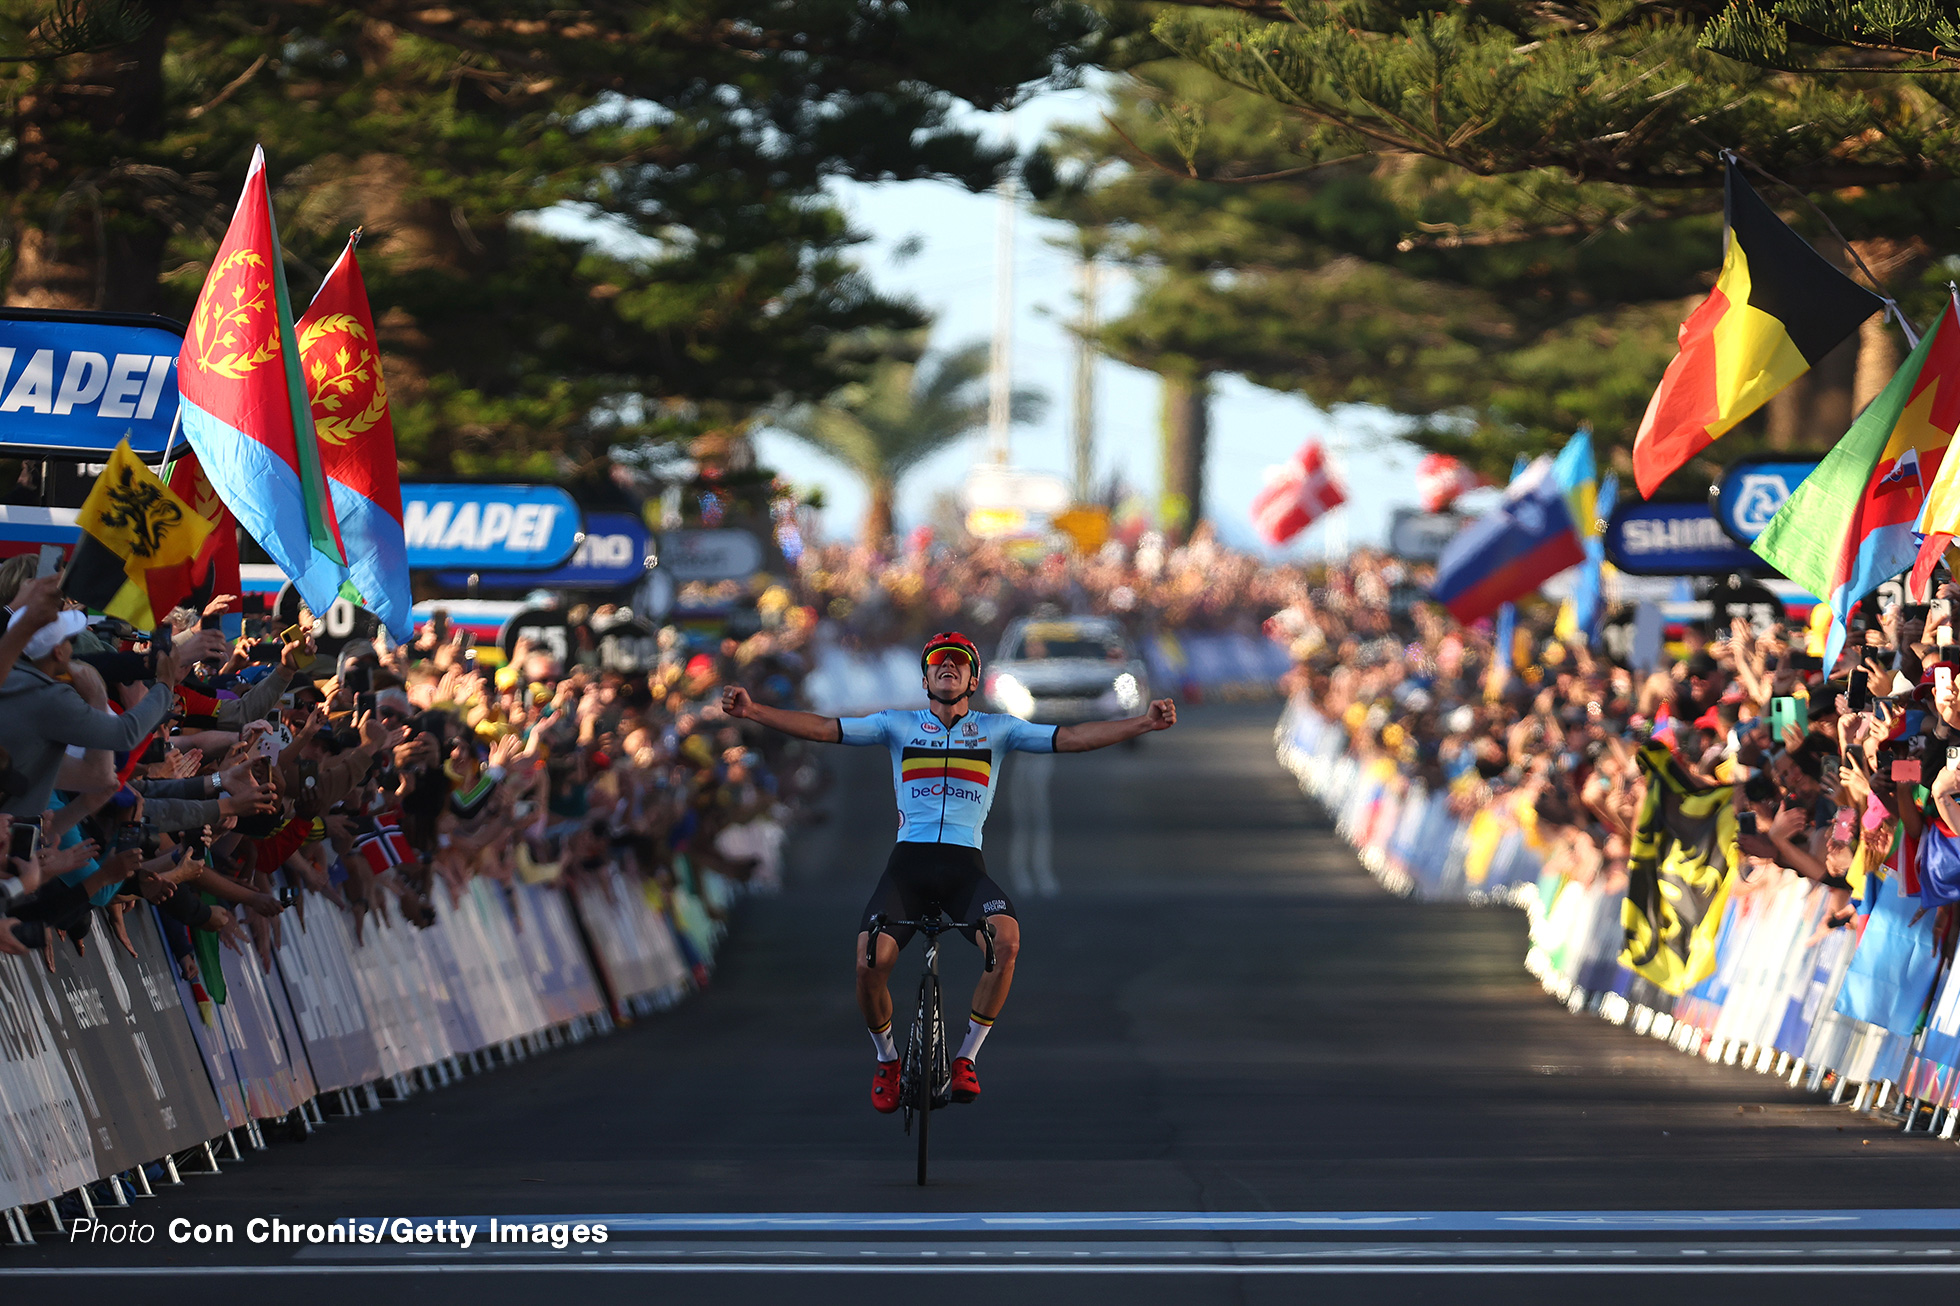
952	276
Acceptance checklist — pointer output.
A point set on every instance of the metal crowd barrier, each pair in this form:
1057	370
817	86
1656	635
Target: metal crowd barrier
118	1076
1783	988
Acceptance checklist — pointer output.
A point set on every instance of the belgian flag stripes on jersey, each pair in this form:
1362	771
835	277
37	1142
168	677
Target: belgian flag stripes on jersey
973	764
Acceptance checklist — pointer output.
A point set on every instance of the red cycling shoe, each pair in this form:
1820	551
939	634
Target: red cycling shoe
884	1087
966	1084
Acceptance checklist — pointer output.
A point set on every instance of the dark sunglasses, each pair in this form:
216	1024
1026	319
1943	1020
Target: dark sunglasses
948	653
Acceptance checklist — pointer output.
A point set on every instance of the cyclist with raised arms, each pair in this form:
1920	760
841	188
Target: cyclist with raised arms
946	760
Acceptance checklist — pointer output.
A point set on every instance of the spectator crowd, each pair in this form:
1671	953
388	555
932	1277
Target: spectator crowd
1845	776
216	777
901	595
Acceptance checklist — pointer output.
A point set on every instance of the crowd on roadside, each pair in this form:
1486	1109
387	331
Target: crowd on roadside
215	777
900	592
1848	777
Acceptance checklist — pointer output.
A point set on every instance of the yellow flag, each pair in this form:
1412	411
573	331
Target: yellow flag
137	537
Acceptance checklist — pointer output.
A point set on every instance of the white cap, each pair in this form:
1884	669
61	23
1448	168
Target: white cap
66	625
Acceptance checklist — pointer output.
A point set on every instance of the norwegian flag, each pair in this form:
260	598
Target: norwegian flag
1440	478
1295	495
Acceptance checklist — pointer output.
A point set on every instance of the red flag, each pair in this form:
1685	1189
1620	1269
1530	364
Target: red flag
349	398
244	400
1440	479
1296	495
215	568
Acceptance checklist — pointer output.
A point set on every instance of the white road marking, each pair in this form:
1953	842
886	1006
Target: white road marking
604	1267
1031	844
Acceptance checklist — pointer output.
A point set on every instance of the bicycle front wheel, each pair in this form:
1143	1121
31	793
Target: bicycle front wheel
931	1051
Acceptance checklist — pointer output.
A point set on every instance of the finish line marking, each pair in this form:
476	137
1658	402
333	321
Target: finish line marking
236	1271
1902	1221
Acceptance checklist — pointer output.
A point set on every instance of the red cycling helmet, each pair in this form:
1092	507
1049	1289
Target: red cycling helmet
950	639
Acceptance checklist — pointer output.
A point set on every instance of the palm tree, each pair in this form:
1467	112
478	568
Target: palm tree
904	410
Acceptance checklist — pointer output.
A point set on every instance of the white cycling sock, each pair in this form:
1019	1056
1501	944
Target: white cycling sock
881	1038
977	1029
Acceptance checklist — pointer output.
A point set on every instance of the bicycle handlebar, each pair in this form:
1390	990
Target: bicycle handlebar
983	930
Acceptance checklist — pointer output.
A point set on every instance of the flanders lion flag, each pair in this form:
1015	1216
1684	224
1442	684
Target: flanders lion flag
136	535
1677	876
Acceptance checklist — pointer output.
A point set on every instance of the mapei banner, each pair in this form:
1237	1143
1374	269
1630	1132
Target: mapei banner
617	550
477	528
75	383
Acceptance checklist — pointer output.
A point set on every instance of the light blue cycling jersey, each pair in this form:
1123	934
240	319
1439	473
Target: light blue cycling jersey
945	778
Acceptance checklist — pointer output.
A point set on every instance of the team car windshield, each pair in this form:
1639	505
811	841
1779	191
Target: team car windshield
1066	640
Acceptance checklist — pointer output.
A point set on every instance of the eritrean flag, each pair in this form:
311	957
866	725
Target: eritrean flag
1850	526
975	765
1511	551
244	402
349	400
1777	308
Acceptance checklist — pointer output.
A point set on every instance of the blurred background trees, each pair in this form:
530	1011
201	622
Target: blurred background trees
587	228
1491	218
906	408
605	229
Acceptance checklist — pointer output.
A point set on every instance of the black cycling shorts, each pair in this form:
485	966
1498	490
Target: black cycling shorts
924	877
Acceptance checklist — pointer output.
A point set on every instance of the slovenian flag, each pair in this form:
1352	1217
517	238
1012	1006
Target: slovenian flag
244	403
357	444
1850	526
1511	551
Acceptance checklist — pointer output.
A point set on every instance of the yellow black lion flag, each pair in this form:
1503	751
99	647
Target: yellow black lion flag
136	534
1678	875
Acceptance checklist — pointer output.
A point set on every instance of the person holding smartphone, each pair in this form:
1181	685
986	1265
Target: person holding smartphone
45	715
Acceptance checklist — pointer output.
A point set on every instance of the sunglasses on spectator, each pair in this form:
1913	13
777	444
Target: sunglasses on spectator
950	653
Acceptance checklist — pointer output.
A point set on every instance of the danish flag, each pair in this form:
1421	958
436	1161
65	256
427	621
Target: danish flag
1296	495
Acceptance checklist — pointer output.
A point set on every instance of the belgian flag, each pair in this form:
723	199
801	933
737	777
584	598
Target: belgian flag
1777	308
136	536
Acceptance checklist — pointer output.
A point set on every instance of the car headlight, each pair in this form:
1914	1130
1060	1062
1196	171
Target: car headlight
1127	693
1012	697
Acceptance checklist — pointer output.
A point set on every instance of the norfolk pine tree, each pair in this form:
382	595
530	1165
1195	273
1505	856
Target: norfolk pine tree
709	275
1472	266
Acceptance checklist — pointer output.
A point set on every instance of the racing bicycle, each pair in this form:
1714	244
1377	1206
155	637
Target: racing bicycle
925	1078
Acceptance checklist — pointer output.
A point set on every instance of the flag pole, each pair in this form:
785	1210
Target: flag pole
1892	309
170	442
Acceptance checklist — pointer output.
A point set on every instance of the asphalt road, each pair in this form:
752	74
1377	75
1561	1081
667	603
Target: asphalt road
1232	1069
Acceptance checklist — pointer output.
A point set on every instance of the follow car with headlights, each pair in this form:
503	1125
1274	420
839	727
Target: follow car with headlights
1061	670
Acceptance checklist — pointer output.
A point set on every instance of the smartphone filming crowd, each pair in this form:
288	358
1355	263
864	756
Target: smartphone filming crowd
1731	849
292	876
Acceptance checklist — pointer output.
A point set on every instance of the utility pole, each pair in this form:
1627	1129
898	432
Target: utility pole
1000	391
1084	435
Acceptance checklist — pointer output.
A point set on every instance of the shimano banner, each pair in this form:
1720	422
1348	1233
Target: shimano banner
76	383
1674	539
1750	492
476	528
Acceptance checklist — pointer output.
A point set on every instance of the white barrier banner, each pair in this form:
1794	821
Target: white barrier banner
44	1138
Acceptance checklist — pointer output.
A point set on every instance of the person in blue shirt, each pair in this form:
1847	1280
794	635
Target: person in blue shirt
946	761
